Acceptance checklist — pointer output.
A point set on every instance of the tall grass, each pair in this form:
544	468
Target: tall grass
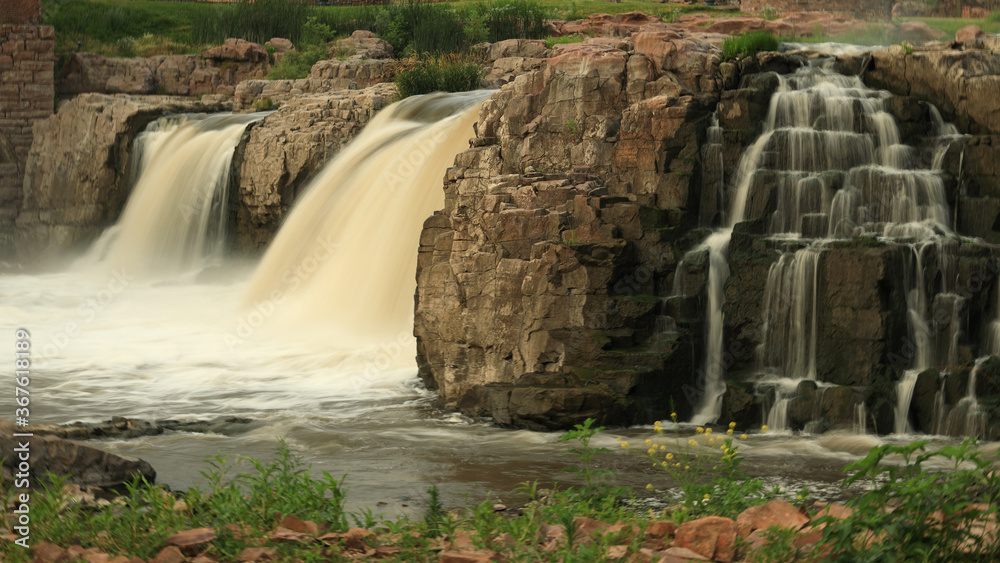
438	74
254	20
748	44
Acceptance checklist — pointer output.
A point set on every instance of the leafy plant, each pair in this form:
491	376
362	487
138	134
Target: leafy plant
937	515
584	433
551	42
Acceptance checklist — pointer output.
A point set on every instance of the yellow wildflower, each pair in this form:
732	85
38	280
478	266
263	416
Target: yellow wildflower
624	444
648	441
708	431
706	496
649	485
732	425
651	451
673	415
743	436
699	430
670	456
711	440
722	447
686	467
729	432
618	439
692	442
663	448
763	428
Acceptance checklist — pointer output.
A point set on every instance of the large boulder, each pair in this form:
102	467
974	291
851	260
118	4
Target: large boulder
215	71
76	177
537	283
81	464
361	45
285	149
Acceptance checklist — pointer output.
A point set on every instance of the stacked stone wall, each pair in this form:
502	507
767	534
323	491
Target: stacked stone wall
27	95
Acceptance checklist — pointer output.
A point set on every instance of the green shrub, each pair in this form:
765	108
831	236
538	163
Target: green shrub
443	74
936	515
994	17
748	44
513	19
312	48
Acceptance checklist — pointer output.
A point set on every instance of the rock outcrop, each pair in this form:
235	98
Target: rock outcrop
325	76
215	71
76	181
83	465
537	283
285	149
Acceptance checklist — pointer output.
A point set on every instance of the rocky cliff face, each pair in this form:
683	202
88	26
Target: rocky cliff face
216	71
76	181
284	150
538	281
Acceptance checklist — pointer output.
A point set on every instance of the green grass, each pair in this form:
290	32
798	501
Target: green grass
551	42
951	25
748	44
443	74
244	502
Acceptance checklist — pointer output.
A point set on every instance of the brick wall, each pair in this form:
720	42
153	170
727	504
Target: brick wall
879	10
20	11
27	94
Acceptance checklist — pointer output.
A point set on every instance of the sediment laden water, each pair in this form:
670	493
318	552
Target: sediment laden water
175	218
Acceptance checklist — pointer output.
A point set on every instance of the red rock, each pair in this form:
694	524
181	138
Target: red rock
835	510
169	554
354	539
968	32
76	551
48	553
99	558
280	44
251	554
384	551
617	551
589	526
481	556
712	537
462	541
679	554
661	529
190	539
301	526
121	559
775	513
282	533
203	559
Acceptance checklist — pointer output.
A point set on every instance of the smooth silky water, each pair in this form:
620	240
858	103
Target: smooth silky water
314	344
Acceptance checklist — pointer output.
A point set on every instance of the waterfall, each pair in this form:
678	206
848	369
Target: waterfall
860	418
831	159
967	418
789	328
714	386
347	251
175	218
904	395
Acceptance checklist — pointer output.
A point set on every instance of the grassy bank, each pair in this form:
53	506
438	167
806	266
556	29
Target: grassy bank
279	511
144	27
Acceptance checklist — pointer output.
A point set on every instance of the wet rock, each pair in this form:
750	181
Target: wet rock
924	395
83	465
713	537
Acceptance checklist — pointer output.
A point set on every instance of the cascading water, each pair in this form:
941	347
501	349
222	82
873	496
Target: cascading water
831	159
967	418
175	218
340	255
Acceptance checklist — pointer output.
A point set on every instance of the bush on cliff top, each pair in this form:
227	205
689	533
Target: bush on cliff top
748	44
440	74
